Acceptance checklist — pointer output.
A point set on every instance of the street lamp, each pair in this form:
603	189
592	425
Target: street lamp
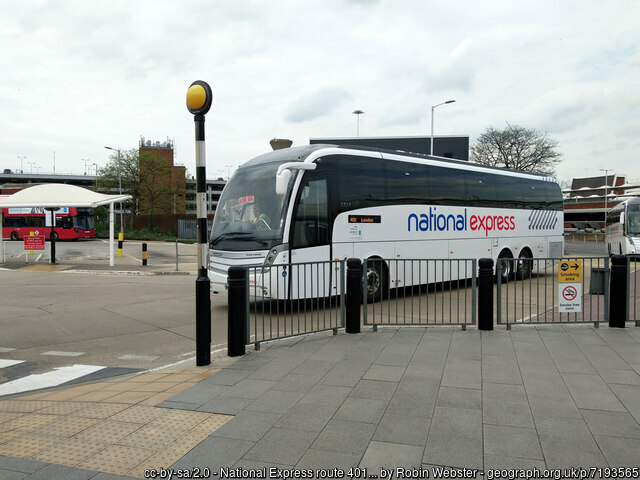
21	159
432	109
606	191
357	113
119	187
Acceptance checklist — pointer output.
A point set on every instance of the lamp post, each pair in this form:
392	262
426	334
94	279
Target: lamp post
21	159
606	191
119	187
432	109
357	113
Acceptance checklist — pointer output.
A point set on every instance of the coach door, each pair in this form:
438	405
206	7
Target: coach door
310	275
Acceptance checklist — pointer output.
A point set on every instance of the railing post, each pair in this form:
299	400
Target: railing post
618	292
485	294
354	295
237	312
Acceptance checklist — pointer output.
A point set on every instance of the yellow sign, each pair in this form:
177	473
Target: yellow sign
570	271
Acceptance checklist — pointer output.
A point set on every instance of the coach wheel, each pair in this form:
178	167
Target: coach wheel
377	279
525	265
14	235
53	236
506	264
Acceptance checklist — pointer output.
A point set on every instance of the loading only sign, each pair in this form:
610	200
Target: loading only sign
570	286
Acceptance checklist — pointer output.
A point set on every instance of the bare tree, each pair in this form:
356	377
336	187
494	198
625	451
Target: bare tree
517	148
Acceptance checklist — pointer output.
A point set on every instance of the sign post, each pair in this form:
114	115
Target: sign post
570	286
199	98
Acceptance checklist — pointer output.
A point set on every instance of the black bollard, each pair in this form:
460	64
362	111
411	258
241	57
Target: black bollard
203	321
485	294
618	290
237	312
144	254
354	295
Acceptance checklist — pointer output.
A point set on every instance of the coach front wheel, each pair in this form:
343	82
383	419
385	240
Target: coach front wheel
14	236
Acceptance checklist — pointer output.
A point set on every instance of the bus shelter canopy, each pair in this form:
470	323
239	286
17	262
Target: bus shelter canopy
59	195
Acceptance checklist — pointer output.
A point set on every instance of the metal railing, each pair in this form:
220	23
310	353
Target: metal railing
535	299
419	292
294	299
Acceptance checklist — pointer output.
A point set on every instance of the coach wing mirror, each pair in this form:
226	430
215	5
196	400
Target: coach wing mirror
284	174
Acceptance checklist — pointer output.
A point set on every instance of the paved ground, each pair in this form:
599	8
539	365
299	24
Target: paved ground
533	397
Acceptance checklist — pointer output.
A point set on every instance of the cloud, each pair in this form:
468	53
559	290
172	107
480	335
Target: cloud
317	104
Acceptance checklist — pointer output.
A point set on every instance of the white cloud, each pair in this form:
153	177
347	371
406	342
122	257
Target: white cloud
80	75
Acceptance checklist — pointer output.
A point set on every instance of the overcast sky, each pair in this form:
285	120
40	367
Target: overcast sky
79	75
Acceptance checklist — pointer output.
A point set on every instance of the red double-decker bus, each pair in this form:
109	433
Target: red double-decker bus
71	223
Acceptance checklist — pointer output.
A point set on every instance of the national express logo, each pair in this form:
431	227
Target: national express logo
462	222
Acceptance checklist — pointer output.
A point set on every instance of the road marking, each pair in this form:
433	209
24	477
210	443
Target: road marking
53	378
145	358
8	363
5	349
56	353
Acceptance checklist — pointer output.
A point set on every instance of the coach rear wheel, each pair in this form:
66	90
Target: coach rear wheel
506	266
525	265
14	236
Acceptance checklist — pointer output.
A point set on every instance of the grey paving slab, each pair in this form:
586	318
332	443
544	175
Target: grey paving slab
455	438
385	373
214	453
306	416
53	471
503	462
459	398
625	376
282	445
381	455
403	429
326	395
374	389
248	388
620	452
294	382
512	441
225	405
629	395
614	424
23	465
567	442
275	401
11	475
365	410
248	425
506	405
591	392
344	436
411	405
317	459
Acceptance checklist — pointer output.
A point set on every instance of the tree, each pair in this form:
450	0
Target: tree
517	148
125	169
145	176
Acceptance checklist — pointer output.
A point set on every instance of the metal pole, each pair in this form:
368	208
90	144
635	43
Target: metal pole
354	295
120	192
199	98
485	294
432	109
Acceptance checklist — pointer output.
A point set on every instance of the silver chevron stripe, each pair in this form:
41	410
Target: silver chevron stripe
543	220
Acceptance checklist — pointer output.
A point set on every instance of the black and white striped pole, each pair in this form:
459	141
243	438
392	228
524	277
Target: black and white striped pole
199	98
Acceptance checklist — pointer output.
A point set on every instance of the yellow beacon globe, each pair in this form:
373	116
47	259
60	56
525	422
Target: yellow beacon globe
196	97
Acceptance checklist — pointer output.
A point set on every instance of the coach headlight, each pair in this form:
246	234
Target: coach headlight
271	257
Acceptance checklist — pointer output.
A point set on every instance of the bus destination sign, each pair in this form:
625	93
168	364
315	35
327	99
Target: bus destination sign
364	219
